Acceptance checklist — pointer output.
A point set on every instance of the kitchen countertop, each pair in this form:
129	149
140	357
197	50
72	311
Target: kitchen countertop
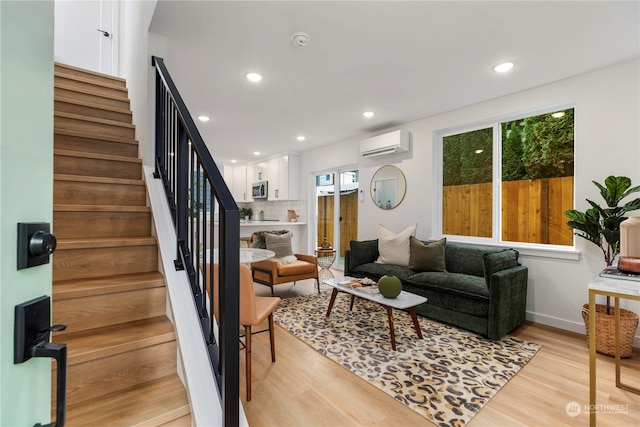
270	223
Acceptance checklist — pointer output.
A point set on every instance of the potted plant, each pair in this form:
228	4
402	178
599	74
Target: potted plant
246	213
601	226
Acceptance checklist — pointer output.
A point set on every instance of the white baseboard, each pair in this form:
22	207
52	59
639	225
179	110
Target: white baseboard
567	325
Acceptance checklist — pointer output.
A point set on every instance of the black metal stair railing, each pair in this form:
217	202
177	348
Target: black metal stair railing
207	222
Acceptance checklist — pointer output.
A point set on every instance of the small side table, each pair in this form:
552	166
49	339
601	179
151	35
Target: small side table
326	258
616	288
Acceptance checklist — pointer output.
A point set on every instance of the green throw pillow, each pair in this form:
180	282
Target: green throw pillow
498	261
279	244
362	252
428	257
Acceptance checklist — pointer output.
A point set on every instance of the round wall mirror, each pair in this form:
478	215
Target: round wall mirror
388	187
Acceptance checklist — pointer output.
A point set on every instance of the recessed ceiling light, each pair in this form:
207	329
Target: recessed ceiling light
204	118
256	153
368	114
557	115
301	137
234	161
504	67
254	77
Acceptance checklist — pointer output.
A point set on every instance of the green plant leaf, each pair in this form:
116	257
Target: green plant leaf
611	236
601	224
631	191
616	188
632	205
575	216
587	224
596	207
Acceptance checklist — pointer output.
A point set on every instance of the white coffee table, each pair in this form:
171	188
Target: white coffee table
404	301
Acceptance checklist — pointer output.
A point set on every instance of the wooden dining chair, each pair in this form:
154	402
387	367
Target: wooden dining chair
253	311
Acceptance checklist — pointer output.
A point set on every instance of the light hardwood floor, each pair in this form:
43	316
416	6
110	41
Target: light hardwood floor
304	388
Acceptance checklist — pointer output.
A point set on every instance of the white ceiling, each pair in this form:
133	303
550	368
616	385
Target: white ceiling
403	60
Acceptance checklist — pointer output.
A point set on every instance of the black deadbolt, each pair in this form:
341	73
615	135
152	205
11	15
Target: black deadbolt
42	244
35	244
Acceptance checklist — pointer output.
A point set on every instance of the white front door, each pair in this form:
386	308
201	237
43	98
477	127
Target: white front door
86	34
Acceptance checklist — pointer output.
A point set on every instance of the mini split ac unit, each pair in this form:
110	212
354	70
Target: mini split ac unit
388	143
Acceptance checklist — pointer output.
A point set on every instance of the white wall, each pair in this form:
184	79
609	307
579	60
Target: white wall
157	47
607	142
136	68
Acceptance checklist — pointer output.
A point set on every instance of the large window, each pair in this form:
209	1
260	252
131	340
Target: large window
510	181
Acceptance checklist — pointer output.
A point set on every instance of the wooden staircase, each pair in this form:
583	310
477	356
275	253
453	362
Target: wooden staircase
107	289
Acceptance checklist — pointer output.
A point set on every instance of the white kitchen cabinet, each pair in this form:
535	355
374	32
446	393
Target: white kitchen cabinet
239	191
251	178
284	178
236	179
260	172
227	174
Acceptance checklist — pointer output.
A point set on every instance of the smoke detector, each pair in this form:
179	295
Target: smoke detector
300	39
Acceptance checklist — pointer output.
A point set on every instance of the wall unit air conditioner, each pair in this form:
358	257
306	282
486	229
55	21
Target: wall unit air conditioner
388	143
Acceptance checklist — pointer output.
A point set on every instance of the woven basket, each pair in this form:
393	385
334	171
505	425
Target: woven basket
606	330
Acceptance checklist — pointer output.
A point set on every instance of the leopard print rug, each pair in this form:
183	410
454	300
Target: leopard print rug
447	377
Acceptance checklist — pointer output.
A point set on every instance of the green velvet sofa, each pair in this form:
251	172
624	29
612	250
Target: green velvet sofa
483	289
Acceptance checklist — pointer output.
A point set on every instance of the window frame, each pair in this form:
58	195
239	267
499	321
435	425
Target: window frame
527	249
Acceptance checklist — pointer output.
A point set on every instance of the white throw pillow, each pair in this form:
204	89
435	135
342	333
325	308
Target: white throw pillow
395	248
286	260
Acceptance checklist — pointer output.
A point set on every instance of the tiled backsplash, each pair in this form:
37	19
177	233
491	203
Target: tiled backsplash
278	210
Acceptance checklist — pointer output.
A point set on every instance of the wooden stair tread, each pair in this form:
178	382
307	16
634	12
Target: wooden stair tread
79	288
70	100
100	137
92	119
61	69
97	179
90	344
91	81
99	208
87	155
151	403
184	421
105	242
62	85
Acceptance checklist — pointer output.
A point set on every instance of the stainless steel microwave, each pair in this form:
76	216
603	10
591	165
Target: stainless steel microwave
259	190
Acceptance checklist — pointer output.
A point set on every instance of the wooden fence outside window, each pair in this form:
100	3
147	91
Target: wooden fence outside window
532	210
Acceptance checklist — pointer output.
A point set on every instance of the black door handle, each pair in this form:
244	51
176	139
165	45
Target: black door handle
31	339
59	353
